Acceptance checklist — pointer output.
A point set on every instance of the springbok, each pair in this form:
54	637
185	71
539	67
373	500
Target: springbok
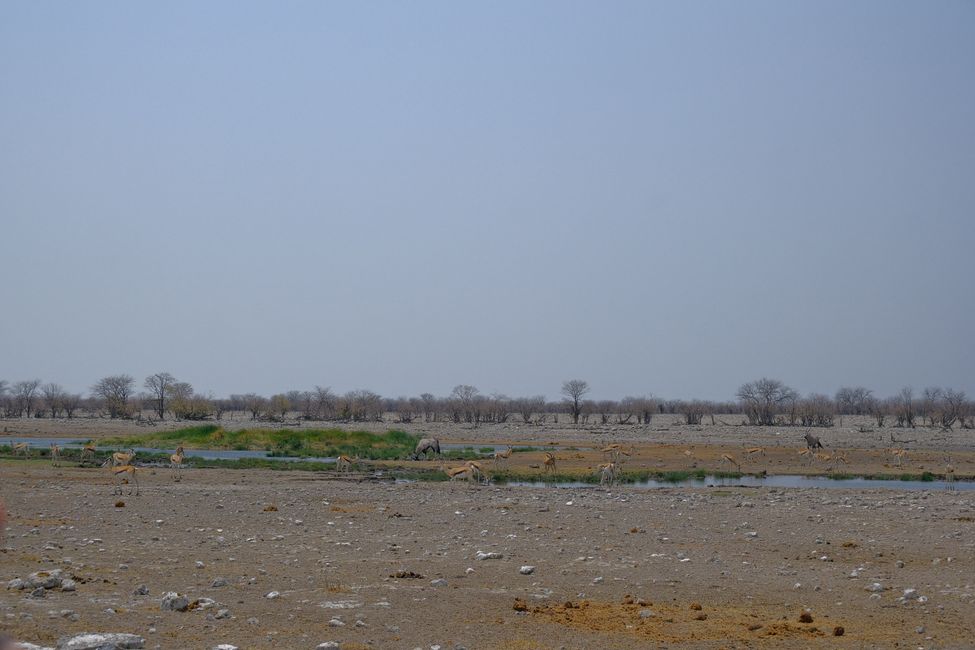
55	455
88	453
608	474
732	461
120	458
467	472
549	462
425	445
344	463
125	474
949	475
176	463
807	454
21	448
501	457
751	452
899	455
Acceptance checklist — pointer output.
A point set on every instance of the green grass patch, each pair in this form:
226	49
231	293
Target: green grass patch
309	443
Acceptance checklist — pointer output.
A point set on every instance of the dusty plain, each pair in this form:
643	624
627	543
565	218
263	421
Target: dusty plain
368	563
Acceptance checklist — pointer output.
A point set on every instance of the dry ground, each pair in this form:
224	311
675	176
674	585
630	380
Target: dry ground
708	568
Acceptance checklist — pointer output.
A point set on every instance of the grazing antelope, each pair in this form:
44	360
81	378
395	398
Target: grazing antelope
425	445
55	455
21	448
807	454
501	457
343	463
812	442
949	475
731	460
615	453
465	472
751	452
176	463
125	474
477	471
608	474
549	462
88	453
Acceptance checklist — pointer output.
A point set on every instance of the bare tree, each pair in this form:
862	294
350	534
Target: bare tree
853	400
279	406
255	404
574	390
71	402
324	402
816	411
953	403
25	392
159	386
466	396
903	407
762	399
53	397
115	391
693	411
879	409
526	407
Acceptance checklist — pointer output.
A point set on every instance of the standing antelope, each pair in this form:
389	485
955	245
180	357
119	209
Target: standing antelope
55	455
343	463
807	454
755	451
898	454
21	448
126	474
88	453
120	458
501	457
549	462
949	475
812	442
464	472
608	474
176	463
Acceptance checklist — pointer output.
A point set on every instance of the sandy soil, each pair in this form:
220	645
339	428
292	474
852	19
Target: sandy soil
708	568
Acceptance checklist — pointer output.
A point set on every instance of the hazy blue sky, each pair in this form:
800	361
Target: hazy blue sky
668	198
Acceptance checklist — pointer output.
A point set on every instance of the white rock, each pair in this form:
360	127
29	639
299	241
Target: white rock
875	587
481	555
526	570
272	594
172	601
111	641
328	645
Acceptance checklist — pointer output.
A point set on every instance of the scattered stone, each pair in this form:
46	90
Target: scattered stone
141	590
218	582
526	570
336	623
328	645
225	646
410	575
222	613
875	587
646	613
174	602
805	617
271	595
439	582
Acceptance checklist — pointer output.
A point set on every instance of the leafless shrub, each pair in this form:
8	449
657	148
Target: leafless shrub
853	400
816	411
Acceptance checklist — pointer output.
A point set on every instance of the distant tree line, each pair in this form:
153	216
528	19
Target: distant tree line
764	402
